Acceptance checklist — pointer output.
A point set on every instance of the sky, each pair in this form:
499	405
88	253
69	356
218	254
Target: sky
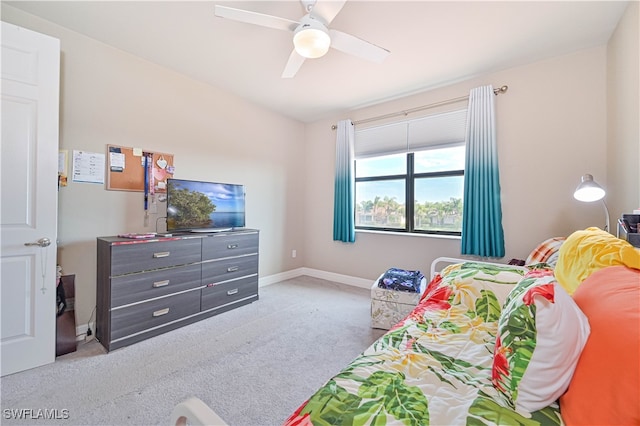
428	189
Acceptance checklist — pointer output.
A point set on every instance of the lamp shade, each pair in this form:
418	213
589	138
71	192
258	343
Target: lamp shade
311	38
588	190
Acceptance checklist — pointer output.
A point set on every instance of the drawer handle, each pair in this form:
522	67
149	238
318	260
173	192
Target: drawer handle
232	246
232	292
233	268
160	283
161	312
161	254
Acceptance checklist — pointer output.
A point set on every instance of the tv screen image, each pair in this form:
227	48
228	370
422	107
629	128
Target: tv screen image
201	206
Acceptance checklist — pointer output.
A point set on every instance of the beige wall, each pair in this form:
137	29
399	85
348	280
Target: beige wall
111	97
623	107
551	130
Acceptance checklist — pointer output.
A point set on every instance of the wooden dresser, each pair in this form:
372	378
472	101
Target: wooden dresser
151	286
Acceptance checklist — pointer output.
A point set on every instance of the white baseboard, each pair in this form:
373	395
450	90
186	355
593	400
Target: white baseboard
81	331
316	273
282	276
339	278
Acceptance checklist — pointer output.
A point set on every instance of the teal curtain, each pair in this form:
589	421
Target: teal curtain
343	201
482	233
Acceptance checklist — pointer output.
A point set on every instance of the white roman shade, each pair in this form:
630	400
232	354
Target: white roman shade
412	135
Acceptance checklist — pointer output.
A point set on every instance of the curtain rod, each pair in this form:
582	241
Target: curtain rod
501	89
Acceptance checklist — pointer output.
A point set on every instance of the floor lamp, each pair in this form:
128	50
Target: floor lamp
589	191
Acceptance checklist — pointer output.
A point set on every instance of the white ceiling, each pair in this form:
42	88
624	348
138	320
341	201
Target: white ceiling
432	43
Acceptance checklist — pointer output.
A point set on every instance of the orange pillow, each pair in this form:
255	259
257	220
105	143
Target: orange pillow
605	388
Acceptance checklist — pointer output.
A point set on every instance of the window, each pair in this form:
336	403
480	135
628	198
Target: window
419	160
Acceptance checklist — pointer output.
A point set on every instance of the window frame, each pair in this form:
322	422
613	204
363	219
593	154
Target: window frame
409	179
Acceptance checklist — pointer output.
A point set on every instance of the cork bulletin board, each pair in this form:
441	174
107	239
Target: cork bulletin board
126	169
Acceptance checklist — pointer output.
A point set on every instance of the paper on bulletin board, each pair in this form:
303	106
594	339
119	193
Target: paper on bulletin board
88	167
162	169
117	161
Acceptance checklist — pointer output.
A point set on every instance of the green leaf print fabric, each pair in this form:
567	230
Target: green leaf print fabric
541	333
434	367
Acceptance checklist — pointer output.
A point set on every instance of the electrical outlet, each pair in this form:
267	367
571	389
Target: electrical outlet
294	253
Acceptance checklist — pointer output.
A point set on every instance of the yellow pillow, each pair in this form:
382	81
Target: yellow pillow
587	251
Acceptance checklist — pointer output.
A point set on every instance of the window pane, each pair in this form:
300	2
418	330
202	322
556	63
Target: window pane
440	159
387	165
380	204
438	203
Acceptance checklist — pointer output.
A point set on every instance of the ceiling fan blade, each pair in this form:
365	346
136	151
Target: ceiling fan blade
326	10
255	18
293	65
357	47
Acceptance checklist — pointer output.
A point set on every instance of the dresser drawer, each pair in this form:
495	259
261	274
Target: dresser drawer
222	294
217	271
127	258
135	318
228	245
132	288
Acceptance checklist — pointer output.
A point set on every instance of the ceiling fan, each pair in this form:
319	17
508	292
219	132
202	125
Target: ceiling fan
311	35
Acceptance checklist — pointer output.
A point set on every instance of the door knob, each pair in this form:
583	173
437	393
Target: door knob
42	242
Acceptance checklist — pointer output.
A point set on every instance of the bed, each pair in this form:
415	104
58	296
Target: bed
499	344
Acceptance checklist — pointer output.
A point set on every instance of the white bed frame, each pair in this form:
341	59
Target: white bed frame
453	260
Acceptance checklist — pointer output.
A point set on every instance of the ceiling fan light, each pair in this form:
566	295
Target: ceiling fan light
311	42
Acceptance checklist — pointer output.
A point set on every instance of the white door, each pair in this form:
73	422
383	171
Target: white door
29	200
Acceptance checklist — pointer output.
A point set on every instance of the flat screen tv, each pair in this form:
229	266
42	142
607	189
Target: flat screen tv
200	206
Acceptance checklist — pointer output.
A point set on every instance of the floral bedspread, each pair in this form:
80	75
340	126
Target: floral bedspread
434	367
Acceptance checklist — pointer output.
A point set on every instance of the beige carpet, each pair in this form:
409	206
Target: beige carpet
253	366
